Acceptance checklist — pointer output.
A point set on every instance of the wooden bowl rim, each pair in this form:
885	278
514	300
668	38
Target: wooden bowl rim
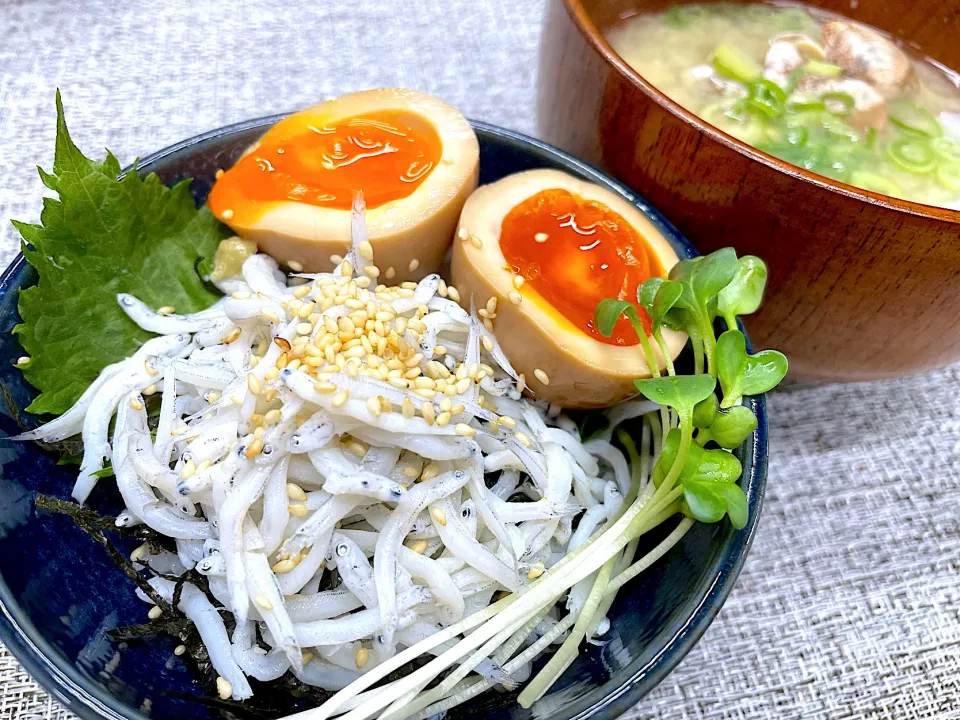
591	32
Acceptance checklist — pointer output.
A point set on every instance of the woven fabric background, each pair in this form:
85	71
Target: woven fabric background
849	605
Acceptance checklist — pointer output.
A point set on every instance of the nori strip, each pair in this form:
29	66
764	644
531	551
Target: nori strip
93	524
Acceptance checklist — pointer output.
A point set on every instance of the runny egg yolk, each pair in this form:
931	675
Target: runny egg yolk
574	253
387	154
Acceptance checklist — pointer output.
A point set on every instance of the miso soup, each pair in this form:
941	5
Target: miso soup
814	89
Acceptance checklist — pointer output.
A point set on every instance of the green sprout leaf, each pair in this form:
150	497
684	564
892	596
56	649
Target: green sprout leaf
668	294
743	295
706	411
713	274
731	428
605	317
609	311
647	293
741	374
681	392
731	362
709	501
763	372
708	478
716	466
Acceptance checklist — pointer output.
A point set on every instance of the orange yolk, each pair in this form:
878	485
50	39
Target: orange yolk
387	154
574	253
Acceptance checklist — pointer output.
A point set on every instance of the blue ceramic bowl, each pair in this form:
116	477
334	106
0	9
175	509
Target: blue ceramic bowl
60	593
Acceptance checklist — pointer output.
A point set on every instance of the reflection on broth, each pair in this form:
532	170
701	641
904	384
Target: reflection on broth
817	90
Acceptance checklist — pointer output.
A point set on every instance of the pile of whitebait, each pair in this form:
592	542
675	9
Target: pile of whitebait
365	438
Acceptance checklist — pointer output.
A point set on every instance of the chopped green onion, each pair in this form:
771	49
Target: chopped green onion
845	101
734	120
784	137
798	136
683	16
914	120
802	104
946	148
948	175
766	97
912	155
838	128
822	69
875	183
871	138
733	63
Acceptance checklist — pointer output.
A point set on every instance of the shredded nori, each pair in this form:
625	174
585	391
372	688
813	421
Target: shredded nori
94	524
270	700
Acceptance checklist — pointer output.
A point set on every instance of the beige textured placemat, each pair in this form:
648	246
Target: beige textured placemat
849	605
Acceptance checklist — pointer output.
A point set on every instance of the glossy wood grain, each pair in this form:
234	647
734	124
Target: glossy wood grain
861	286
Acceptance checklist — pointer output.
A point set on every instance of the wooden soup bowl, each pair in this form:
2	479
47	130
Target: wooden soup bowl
862	286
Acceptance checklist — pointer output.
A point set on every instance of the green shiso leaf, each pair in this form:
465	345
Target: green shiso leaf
102	236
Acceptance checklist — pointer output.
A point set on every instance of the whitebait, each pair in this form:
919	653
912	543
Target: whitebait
312	432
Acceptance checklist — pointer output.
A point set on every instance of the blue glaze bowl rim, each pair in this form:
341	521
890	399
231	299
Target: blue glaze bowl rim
86	698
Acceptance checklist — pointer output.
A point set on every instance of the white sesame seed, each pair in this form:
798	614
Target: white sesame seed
390	273
463	233
541	237
263	602
304	328
366	250
535	571
179	650
155	612
299	511
167	310
336	259
419	547
476	242
295	266
515	297
340	398
295	492
136	404
518	281
363	656
227	214
254	384
428	413
541	376
414	264
453	293
523	439
140	553
464	430
439	515
224	688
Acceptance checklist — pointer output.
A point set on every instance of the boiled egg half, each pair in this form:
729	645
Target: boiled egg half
549	247
414	158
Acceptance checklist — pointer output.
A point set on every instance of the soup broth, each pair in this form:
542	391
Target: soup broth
814	89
